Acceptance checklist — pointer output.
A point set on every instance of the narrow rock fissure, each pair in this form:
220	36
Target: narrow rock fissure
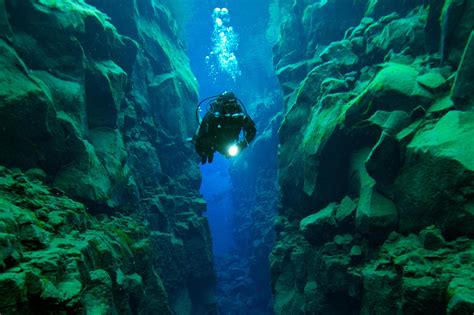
355	197
241	193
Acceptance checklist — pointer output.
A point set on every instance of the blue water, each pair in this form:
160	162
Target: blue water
252	82
248	20
217	189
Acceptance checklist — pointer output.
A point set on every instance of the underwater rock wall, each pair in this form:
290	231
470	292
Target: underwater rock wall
376	160
96	102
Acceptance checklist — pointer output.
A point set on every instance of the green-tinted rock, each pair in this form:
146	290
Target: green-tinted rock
381	288
341	54
394	88
461	296
321	226
463	89
345	214
390	122
12	290
439	159
432	239
423	295
385	160
33	237
432	81
398	35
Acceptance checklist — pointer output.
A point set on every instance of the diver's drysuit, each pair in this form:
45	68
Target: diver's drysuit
221	126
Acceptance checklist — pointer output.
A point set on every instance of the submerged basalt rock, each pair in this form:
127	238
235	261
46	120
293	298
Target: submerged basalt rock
376	178
97	101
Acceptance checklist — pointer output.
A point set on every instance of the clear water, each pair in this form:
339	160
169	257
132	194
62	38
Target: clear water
229	51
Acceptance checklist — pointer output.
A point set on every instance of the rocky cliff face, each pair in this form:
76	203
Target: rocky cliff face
97	98
376	158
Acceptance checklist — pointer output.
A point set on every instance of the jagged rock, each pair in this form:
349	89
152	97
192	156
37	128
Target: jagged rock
9	255
322	26
331	86
321	226
381	289
33	237
432	239
376	214
393	88
432	81
390	122
291	75
12	290
36	173
313	297
456	22
438	161
462	91
341	54
378	8
461	296
87	178
442	105
399	35
98	299
417	291
345	214
403	157
103	104
105	117
384	161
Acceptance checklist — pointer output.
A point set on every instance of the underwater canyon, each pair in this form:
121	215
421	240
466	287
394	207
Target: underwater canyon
355	197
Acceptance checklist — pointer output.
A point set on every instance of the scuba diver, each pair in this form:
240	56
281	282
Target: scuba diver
221	127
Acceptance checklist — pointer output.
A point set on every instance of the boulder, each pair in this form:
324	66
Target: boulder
438	161
395	87
399	35
376	214
345	215
432	239
98	299
86	178
331	86
389	122
432	81
385	160
341	54
9	255
33	237
24	112
326	22
461	296
12	291
321	226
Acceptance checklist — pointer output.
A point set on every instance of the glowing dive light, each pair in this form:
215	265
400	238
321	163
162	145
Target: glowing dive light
233	150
